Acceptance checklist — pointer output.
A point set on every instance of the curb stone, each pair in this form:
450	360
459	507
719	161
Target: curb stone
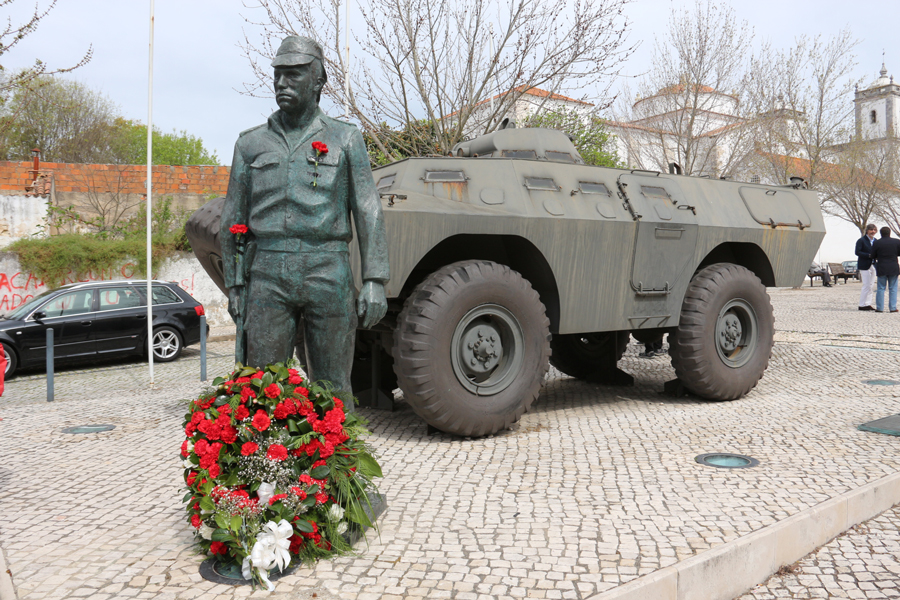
7	591
726	572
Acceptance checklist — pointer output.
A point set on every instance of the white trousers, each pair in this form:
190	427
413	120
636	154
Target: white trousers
867	293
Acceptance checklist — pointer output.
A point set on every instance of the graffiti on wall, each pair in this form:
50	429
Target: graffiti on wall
20	287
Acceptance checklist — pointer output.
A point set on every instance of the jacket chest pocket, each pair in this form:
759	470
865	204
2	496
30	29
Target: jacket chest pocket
267	173
326	173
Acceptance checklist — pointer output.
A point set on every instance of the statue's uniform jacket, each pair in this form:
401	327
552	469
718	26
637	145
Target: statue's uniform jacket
302	232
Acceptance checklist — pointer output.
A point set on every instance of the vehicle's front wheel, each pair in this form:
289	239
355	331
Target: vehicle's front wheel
167	344
724	340
471	348
11	362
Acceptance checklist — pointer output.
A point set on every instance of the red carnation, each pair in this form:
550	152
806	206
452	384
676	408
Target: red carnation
257	375
224	410
276	498
192	476
321	498
218	548
261	420
196	521
247	393
241	413
249	448
273	391
215	470
277	452
238	229
229	434
301	391
296	544
320	148
318	463
184	449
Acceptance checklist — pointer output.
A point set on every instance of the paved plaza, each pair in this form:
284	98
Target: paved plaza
594	487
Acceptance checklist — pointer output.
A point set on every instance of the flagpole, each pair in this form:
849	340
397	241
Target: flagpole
150	199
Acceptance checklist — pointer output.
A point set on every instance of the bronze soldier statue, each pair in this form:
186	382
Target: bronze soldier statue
295	181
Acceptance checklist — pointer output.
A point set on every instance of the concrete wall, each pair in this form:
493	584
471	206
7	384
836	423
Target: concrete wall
17	287
21	216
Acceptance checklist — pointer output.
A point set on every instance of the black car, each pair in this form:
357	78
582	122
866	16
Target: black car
100	319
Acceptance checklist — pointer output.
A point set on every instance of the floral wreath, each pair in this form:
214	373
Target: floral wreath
277	473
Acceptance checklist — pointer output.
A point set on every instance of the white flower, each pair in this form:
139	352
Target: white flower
190	446
206	531
265	491
342	528
335	513
188	464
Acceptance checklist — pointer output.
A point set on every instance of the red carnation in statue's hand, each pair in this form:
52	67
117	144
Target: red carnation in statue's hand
249	448
238	229
320	148
273	391
277	452
261	420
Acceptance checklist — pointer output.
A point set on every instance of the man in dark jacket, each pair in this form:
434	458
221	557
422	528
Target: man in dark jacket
866	268
885	252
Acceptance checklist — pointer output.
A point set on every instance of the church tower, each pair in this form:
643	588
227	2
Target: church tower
878	109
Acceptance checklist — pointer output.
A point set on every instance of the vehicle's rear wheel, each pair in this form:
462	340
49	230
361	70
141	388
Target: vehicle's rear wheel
724	340
167	344
12	361
582	355
471	348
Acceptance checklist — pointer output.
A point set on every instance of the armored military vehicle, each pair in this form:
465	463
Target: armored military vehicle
512	255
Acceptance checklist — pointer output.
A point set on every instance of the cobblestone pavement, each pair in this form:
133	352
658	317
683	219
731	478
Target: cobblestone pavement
594	487
862	563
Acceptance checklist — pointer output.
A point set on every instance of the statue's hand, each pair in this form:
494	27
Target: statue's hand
234	302
372	305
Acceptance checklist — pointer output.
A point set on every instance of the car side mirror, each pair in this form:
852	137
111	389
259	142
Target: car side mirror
39	315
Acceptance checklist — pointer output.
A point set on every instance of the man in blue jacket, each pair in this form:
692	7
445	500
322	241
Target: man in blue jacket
885	254
866	268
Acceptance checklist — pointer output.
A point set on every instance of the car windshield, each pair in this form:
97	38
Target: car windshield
23	309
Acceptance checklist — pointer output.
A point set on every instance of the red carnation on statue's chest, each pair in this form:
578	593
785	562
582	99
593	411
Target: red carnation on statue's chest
320	148
238	228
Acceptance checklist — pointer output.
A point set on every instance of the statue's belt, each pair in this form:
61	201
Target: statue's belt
298	245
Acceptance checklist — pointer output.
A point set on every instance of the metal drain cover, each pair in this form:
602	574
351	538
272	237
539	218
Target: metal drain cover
881	382
724	460
888	425
89	429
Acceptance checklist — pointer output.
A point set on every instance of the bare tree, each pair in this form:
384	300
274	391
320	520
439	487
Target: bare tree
108	199
430	60
68	121
860	184
690	108
11	34
803	97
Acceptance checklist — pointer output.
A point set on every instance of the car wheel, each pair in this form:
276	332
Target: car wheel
12	362
471	348
581	355
167	344
724	340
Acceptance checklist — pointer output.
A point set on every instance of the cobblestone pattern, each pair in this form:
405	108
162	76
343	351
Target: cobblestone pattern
862	563
594	487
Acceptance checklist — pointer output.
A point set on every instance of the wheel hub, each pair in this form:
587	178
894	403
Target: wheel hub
487	349
730	334
482	349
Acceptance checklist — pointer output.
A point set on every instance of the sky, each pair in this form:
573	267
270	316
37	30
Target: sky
198	67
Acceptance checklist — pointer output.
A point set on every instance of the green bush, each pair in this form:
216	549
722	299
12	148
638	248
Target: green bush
53	258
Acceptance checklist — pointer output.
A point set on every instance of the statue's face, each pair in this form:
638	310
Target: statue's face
297	87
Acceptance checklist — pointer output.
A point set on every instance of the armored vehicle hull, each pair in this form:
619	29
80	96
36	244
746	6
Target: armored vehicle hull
513	254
